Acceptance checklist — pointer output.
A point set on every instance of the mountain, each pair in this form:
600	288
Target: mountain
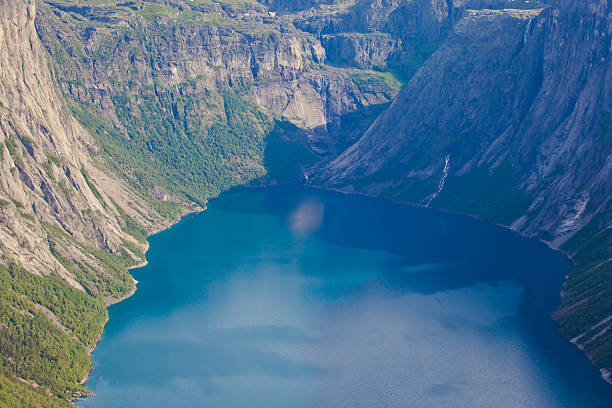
510	120
69	229
116	117
188	91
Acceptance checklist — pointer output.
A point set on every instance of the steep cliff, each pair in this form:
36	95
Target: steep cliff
68	228
509	120
382	34
187	92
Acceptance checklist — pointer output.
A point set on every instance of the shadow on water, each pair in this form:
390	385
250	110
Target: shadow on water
422	237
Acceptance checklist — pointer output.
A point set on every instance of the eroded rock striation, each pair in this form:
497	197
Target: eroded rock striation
50	182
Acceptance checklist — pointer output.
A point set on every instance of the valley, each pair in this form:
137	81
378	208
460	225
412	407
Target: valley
118	117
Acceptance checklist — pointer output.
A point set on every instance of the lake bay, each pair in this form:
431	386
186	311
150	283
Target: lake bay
297	297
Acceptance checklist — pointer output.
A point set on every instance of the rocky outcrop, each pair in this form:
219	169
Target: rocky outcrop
293	5
364	51
280	63
514	109
50	188
382	33
426	21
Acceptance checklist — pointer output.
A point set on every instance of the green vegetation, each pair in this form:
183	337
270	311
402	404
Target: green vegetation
82	314
605	122
17	203
46	324
132	227
32	346
368	81
168	145
412	189
490	195
588	290
285	157
53	159
27	216
105	274
11	147
14	393
421	54
152	10
48	170
91	186
410	62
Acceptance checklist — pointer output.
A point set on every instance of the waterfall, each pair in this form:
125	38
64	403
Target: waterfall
442	180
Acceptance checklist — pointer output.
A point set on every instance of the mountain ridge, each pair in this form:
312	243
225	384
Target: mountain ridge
116	117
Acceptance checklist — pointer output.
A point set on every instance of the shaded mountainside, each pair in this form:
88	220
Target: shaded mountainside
381	34
510	120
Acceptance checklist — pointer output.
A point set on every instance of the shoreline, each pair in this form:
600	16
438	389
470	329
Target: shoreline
446	211
606	376
108	302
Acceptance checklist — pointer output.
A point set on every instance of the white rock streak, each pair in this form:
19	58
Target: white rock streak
574	215
576	340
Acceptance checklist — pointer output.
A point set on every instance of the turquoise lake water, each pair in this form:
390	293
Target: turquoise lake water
296	297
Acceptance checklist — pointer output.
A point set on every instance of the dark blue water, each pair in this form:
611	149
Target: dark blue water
292	297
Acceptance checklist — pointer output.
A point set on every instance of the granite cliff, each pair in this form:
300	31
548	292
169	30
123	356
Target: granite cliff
170	76
68	229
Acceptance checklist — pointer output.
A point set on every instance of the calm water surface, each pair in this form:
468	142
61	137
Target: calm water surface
293	297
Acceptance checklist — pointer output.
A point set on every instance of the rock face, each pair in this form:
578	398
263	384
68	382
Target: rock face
69	228
293	5
221	48
509	119
168	76
49	182
365	51
380	33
